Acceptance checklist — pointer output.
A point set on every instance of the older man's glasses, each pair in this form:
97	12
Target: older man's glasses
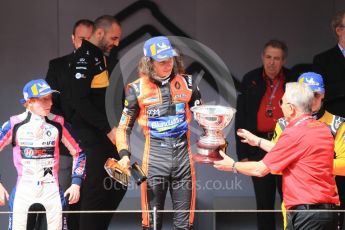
281	103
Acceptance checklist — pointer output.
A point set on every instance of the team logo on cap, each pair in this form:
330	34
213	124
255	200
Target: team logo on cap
34	90
162	47
42	87
159	48
310	81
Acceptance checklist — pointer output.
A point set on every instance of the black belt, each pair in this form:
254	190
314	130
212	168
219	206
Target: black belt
312	206
266	135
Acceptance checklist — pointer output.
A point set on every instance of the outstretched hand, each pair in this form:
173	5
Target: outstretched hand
74	193
3	195
225	164
247	137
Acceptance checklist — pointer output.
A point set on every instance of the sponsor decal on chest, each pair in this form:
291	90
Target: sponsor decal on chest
180	108
37	152
167	123
151	100
180	96
40	135
154	112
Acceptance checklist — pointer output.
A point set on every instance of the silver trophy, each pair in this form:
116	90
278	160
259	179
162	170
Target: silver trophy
213	119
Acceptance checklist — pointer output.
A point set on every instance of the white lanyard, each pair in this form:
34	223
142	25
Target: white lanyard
273	93
303	119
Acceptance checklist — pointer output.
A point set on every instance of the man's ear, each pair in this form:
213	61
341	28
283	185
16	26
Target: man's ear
292	110
72	37
99	33
338	31
262	57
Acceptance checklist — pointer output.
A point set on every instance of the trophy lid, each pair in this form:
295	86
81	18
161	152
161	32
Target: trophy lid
213	110
213	116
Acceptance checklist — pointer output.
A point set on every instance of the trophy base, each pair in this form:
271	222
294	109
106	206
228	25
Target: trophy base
207	154
205	159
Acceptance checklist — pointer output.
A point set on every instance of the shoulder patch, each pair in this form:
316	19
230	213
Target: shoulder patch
189	80
336	122
5	128
282	123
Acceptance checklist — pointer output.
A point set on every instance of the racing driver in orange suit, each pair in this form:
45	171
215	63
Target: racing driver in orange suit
160	100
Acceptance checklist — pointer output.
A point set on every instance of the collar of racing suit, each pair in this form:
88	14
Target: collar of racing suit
34	117
317	115
162	81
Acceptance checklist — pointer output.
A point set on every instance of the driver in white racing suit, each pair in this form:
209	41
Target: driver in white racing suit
35	136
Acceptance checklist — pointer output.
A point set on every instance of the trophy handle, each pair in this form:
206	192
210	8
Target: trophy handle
137	173
116	171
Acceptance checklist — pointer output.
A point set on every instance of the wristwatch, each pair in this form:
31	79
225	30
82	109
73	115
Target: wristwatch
234	167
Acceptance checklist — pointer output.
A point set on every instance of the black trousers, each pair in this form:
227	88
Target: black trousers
265	193
99	191
180	191
315	219
169	169
340	180
36	221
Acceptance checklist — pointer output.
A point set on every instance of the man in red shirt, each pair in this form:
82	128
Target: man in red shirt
307	169
258	111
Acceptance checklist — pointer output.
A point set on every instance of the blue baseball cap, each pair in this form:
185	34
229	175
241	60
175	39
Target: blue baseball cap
159	48
313	80
36	88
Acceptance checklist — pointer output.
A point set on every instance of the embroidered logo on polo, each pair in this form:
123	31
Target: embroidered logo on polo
79	76
81	61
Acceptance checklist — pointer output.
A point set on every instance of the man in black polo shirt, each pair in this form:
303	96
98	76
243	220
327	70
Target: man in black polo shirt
58	78
89	82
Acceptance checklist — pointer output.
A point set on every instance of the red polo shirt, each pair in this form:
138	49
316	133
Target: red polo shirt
304	155
264	122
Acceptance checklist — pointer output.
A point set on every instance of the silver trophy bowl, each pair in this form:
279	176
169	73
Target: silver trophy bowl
213	119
